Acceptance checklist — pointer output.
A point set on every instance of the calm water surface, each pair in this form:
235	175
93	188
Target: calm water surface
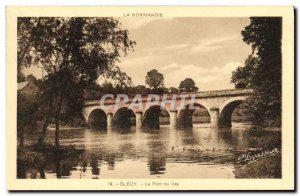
199	152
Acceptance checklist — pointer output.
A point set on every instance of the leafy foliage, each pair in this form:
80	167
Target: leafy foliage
20	76
74	52
244	77
262	70
27	117
154	79
188	85
27	34
173	90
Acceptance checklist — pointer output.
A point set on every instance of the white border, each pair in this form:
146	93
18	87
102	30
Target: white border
3	3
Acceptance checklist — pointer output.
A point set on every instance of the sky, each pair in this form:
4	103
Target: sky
204	49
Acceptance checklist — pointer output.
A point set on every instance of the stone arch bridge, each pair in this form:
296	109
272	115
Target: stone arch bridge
219	104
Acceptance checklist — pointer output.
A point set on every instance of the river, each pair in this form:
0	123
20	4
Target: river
199	152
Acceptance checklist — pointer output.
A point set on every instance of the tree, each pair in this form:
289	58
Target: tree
31	77
27	108
173	90
107	87
243	77
20	76
262	70
121	78
92	91
141	89
74	52
188	85
27	34
154	79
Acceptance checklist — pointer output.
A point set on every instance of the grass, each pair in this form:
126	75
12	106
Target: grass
269	167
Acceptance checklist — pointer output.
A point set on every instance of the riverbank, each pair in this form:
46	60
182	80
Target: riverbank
38	157
66	127
269	167
266	166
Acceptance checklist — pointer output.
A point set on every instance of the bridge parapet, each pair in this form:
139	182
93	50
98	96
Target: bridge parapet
222	93
204	94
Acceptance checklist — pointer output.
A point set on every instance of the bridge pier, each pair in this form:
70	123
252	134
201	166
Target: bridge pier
173	118
220	103
139	119
109	120
214	117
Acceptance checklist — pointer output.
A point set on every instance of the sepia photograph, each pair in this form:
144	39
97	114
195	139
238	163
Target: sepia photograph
144	94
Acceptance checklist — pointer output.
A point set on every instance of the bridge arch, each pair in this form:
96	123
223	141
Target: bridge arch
227	109
124	117
97	119
152	116
185	114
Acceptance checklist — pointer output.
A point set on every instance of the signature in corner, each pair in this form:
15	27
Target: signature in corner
252	157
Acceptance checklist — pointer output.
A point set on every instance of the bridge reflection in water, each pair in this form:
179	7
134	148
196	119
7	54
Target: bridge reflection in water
198	152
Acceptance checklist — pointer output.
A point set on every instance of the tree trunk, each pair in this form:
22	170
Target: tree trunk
57	131
57	119
46	122
44	129
21	142
42	172
57	167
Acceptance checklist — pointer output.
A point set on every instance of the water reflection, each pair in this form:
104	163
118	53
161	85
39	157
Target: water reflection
199	152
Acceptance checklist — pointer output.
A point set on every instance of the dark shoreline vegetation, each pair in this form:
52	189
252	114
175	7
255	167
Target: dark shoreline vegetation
37	157
269	167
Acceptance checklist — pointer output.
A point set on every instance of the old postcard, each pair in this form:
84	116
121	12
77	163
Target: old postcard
150	98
